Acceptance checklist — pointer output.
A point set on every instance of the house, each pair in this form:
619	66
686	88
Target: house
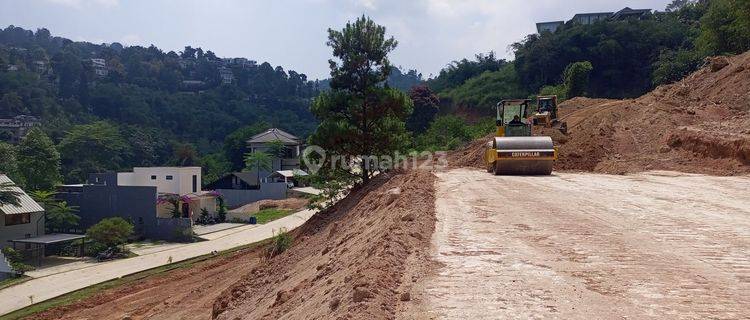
292	148
590	18
12	67
100	67
226	75
240	188
40	66
18	127
19	222
627	13
550	26
288	177
174	185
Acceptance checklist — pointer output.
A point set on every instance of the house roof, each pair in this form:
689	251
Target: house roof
628	11
592	14
28	205
289	173
274	134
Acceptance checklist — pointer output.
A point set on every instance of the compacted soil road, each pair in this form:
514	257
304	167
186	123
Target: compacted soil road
661	245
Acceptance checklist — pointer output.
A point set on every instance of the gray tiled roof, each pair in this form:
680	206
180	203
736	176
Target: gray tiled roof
28	205
274	134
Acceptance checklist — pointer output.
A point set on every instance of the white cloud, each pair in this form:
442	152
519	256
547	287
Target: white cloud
131	39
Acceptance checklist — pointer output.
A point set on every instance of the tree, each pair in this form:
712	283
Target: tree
576	77
90	148
361	115
185	154
725	28
38	161
425	108
276	148
235	144
12	105
445	133
258	161
62	217
9	194
9	162
111	232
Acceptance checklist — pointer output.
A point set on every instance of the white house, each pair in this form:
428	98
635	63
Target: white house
180	182
174	180
19	222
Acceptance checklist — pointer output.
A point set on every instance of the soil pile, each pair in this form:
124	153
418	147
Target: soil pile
356	260
700	125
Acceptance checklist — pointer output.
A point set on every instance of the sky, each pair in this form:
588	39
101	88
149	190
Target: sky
292	34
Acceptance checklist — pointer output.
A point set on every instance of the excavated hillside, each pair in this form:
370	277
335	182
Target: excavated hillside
699	125
355	261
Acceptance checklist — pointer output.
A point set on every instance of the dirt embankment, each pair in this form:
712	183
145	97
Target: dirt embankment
700	125
356	261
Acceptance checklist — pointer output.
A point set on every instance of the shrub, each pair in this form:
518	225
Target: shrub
111	232
16	261
281	241
576	77
184	234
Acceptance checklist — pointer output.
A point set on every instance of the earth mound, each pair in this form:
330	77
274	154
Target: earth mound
356	260
700	124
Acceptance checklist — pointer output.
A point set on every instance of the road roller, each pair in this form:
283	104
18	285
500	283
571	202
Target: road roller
513	150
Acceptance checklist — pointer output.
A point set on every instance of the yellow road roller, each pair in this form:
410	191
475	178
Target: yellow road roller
513	150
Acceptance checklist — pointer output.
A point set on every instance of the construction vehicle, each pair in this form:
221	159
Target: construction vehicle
546	112
513	150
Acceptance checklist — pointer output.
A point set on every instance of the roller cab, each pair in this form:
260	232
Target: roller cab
513	151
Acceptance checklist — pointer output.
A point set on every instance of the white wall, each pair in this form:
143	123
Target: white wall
181	183
20	231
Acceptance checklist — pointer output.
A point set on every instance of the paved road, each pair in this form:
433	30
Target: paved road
44	288
657	245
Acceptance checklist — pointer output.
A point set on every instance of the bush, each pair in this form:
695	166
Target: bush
16	261
111	232
184	234
280	242
576	77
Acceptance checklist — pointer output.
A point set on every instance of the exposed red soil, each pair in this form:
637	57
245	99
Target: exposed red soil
355	261
699	125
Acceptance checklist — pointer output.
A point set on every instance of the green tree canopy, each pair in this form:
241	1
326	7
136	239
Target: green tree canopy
576	77
91	148
258	161
360	115
38	161
235	144
111	231
725	28
425	108
9	162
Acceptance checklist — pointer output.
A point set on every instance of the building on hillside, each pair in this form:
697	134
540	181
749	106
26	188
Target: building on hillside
17	127
289	160
11	68
550	26
40	66
100	67
627	13
590	18
226	75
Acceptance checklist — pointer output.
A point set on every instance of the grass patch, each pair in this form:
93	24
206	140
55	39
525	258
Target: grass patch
84	293
13	281
271	214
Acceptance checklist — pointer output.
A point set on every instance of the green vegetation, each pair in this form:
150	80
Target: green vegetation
111	232
142	112
38	161
8	194
279	243
362	117
13	281
484	91
271	214
15	259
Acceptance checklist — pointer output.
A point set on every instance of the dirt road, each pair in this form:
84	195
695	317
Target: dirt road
579	246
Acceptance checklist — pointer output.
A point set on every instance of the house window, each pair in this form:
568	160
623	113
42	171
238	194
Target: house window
14	219
153	177
169	177
195	183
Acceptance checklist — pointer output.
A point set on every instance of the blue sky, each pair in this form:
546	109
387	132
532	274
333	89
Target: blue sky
431	33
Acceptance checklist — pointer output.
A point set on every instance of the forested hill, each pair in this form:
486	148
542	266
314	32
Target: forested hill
158	107
617	58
